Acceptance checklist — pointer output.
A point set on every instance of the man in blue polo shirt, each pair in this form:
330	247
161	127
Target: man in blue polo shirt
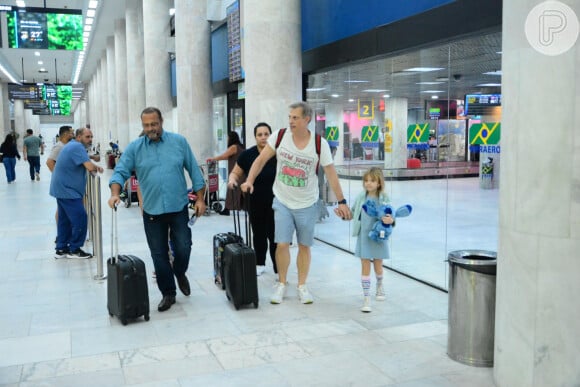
159	159
67	185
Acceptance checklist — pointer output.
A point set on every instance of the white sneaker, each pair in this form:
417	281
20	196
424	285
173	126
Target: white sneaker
381	296
279	293
366	308
37	176
304	295
260	270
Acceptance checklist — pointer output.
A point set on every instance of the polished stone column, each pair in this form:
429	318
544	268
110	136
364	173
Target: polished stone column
112	89
104	129
272	60
80	115
396	112
4	110
156	53
121	83
135	65
19	123
537	314
193	65
335	117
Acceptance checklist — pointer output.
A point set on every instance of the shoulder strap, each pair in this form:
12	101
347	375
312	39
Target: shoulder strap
317	141
280	135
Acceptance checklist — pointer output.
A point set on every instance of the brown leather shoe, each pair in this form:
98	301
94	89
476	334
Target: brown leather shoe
183	283
166	303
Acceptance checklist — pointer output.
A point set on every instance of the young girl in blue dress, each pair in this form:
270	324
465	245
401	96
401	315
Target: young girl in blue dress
368	250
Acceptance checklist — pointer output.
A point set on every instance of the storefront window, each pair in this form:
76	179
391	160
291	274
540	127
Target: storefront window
408	115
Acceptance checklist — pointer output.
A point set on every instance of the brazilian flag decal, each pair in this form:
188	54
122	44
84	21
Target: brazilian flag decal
485	133
331	133
418	133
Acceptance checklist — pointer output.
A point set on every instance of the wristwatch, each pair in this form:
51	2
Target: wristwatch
343	201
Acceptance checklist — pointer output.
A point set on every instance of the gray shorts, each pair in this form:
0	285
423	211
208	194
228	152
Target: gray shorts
287	220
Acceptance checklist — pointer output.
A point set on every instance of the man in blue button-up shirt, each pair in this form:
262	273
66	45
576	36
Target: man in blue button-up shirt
159	158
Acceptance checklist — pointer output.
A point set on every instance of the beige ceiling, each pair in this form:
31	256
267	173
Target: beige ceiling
60	64
462	63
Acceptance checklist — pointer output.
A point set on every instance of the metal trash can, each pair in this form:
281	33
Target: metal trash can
471	320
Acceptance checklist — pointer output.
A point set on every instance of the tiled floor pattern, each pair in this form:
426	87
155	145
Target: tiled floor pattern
55	329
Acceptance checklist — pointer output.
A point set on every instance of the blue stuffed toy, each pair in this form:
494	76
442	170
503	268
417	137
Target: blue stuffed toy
381	231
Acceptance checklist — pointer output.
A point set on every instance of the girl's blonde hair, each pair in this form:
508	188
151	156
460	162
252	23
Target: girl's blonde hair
375	174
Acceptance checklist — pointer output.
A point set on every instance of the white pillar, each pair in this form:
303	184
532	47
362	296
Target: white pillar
105	127
121	83
19	124
396	112
193	65
111	89
271	35
156	54
537	314
4	110
135	65
334	117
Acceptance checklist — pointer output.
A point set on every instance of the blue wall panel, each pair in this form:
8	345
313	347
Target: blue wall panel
326	21
219	54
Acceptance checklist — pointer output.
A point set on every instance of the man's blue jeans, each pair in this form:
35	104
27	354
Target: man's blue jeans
72	224
34	165
159	229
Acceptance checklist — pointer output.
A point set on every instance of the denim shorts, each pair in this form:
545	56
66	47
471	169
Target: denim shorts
287	220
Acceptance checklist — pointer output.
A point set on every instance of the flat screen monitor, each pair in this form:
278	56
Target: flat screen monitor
481	104
45	28
442	109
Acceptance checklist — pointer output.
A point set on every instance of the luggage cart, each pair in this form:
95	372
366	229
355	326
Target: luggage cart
211	177
131	192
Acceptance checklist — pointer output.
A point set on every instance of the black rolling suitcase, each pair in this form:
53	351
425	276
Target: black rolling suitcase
239	261
220	241
127	293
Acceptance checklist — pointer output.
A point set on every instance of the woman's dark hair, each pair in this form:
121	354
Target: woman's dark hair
9	140
262	124
233	139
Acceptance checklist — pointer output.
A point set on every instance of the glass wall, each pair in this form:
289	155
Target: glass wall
407	115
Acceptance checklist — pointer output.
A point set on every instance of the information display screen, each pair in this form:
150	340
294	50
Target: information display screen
481	104
39	28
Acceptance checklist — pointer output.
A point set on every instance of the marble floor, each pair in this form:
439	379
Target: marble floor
55	329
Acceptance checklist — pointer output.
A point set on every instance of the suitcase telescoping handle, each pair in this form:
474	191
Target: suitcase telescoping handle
245	205
114	236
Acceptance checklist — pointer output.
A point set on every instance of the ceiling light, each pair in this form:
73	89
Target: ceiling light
489	84
432	91
91	13
40	62
496	72
335	95
20	3
171	11
424	69
36	53
86	34
88	28
356	81
386	96
315	89
434	97
350	100
428	83
89	20
93	4
375	90
499	52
